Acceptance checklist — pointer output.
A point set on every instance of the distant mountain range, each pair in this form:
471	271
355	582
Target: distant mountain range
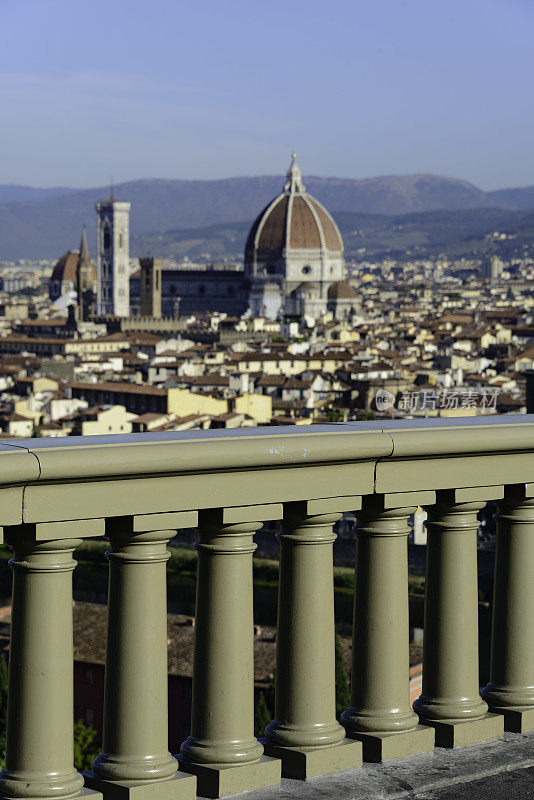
172	217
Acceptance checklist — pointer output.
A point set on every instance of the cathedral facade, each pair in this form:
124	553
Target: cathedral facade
294	266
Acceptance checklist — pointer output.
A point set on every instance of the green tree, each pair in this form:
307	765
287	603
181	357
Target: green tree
342	682
85	747
262	715
363	416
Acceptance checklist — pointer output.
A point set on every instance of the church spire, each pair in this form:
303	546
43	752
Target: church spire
84	249
293	184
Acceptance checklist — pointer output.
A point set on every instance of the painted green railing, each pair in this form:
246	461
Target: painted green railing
138	490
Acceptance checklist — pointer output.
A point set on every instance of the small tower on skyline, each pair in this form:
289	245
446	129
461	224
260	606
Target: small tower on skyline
150	289
85	281
113	257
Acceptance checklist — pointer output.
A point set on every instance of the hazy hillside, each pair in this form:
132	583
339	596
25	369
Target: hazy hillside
461	233
48	225
517	199
12	193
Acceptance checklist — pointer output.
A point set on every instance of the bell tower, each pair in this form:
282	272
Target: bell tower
113	256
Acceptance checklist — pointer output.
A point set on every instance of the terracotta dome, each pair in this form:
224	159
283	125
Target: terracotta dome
306	286
293	221
66	268
341	290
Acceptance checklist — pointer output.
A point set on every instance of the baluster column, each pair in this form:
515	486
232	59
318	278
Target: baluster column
39	745
305	734
510	691
450	701
135	760
380	715
221	750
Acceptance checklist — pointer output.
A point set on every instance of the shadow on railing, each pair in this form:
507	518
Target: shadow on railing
138	490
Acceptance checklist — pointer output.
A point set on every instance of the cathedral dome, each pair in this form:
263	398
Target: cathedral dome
74	271
66	268
294	220
341	290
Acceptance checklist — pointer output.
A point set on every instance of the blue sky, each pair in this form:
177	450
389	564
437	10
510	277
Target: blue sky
205	89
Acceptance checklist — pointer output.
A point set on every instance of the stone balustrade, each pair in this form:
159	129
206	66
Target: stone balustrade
139	490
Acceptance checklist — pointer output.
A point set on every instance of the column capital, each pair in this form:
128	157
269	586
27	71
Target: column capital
227	531
376	519
48	556
130	546
299	527
518	496
450	514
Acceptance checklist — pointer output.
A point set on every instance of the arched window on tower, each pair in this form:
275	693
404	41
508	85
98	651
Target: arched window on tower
107	238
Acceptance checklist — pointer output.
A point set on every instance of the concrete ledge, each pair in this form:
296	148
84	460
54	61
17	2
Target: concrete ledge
180	787
416	776
219	780
459	734
309	762
379	747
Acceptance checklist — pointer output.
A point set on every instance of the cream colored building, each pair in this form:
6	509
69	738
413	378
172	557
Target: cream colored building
182	402
110	420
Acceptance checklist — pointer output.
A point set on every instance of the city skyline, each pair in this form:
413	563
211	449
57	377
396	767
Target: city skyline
210	92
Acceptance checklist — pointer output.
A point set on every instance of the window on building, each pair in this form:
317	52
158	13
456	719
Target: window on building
89	676
88	716
107	238
120	239
172	289
306	270
202	289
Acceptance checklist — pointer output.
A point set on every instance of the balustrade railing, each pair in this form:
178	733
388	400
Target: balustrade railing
139	490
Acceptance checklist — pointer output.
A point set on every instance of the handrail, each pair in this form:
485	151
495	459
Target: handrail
139	489
30	462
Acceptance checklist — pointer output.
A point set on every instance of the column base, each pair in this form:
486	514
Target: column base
516	721
219	780
379	747
458	734
83	794
178	787
309	762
